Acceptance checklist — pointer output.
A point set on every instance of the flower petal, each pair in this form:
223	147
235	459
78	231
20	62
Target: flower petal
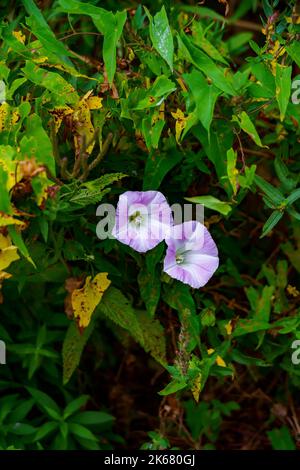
154	218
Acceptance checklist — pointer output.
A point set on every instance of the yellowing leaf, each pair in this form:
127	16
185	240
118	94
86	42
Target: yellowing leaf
228	328
181	121
210	351
3	115
220	362
6	219
292	290
19	36
8	117
40	184
8	252
59	113
94	102
3	276
86	299
40	60
196	387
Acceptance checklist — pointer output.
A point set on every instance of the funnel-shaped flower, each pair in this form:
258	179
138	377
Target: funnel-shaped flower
143	219
192	255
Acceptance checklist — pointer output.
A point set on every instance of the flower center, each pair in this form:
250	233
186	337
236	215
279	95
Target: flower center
136	218
179	259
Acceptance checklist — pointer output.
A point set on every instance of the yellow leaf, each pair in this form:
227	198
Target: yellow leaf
210	351
59	113
40	60
94	102
83	127
181	121
4	275
8	252
196	387
9	117
292	290
19	36
220	362
6	219
4	107
228	328
86	299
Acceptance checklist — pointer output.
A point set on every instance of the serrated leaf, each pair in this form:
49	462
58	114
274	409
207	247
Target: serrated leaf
73	347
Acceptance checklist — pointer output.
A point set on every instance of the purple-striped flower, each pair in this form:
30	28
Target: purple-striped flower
143	219
192	255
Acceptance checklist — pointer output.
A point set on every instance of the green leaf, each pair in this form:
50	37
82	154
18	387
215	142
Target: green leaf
204	44
82	432
37	144
237	41
293	197
161	36
247	125
246	326
42	31
92	417
51	81
231	169
154	340
149	279
173	387
5	205
144	329
17	239
281	439
215	146
203	12
293	50
112	34
152	132
46	403
271	222
73	347
204	95
157	166
272	193
217	74
286	178
283	87
118	309
265	85
109	24
75	405
212	203
179	297
45	429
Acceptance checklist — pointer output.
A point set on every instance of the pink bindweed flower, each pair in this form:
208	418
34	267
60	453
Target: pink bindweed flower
192	255
143	219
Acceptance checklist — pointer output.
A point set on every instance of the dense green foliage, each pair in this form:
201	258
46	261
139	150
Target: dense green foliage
204	108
